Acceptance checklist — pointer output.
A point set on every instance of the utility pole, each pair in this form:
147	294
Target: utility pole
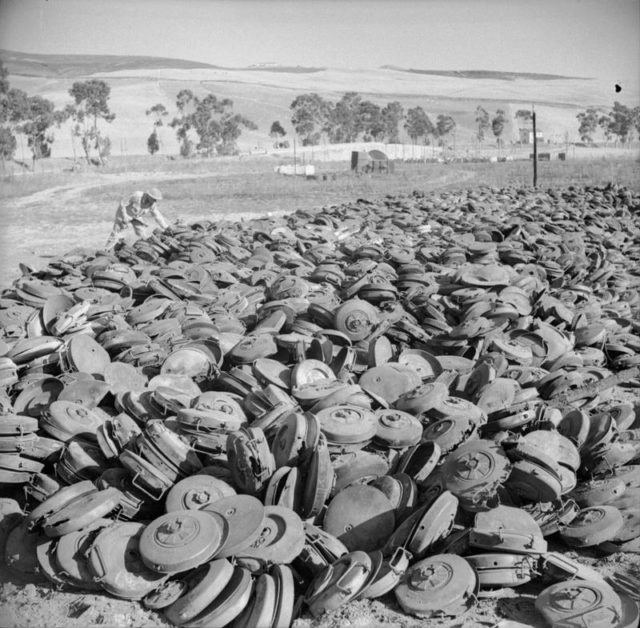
295	163
294	156
535	149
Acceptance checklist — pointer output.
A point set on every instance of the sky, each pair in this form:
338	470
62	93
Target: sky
594	38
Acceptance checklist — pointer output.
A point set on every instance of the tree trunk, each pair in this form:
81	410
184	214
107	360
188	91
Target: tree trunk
96	137
100	149
86	148
73	148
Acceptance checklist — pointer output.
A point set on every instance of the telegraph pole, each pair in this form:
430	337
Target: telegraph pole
535	149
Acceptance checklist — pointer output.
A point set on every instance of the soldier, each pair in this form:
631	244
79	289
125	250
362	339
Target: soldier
133	212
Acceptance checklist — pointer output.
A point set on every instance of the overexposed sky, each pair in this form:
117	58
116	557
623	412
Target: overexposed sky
599	38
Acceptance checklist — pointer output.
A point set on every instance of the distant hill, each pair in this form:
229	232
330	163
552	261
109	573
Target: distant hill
489	74
27	64
295	69
61	66
264	92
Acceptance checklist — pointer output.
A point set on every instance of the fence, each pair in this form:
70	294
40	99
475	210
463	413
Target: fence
419	152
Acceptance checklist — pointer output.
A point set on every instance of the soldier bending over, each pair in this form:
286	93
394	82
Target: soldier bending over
133	212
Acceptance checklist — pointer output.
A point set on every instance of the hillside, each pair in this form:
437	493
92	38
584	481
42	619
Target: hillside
264	93
51	66
72	66
487	74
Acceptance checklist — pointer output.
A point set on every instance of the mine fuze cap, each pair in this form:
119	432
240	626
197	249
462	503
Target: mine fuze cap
155	194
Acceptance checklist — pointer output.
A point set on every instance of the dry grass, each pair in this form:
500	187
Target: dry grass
254	188
254	175
16	181
46	214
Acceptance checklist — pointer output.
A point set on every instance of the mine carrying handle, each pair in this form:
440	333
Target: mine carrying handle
591	389
100	566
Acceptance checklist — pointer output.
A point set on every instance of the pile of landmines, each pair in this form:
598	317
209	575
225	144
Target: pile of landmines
421	395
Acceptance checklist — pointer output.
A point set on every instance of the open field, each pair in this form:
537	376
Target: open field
46	214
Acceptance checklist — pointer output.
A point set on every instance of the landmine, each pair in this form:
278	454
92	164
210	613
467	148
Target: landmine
429	395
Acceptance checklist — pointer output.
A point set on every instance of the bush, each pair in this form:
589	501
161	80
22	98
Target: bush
228	149
7	143
186	148
104	147
153	146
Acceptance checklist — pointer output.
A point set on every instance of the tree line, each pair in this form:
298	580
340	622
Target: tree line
619	123
35	117
496	123
31	116
316	119
209	125
203	125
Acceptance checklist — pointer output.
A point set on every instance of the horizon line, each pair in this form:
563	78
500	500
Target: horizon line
274	64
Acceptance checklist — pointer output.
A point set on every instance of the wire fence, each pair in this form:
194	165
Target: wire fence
460	152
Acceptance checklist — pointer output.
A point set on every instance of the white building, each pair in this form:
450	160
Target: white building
526	136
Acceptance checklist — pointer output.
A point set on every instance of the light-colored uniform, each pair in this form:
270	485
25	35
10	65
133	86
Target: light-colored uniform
132	212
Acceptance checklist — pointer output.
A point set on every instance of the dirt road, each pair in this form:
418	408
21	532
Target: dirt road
52	221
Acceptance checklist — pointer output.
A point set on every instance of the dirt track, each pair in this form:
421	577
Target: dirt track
52	221
61	194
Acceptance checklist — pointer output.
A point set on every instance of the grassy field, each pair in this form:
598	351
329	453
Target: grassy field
50	173
47	213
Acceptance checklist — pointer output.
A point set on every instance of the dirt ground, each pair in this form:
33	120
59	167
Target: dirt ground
25	603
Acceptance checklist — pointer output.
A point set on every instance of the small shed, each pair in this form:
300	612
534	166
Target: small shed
526	136
308	170
371	161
